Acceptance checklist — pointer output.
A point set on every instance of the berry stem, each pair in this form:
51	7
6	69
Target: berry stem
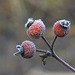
48	44
39	50
58	58
53	54
64	63
43	51
52	45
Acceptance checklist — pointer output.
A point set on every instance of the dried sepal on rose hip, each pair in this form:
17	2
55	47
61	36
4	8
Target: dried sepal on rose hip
27	49
36	28
61	28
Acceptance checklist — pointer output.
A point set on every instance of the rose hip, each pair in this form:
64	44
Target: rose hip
61	28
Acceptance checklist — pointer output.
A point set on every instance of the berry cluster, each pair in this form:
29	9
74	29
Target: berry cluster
35	30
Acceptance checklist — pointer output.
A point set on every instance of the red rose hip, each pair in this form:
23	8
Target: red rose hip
61	28
36	28
27	49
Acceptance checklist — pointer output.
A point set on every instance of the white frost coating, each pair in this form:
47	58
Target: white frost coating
30	20
38	21
17	53
34	47
65	23
30	43
20	50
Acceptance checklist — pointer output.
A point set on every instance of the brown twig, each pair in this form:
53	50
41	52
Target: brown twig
55	55
52	45
48	44
64	63
43	51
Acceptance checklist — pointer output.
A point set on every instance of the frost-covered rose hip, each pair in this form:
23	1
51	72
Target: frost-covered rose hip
27	49
36	28
61	28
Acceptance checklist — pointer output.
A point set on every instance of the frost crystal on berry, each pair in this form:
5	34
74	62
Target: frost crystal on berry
20	50
30	21
65	23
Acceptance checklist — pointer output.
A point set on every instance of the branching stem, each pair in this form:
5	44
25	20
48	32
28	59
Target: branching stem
53	54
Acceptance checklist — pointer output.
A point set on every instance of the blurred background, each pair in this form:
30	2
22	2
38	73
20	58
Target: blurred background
13	16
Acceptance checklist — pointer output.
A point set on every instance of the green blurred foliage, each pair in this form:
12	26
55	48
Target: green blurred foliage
13	16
